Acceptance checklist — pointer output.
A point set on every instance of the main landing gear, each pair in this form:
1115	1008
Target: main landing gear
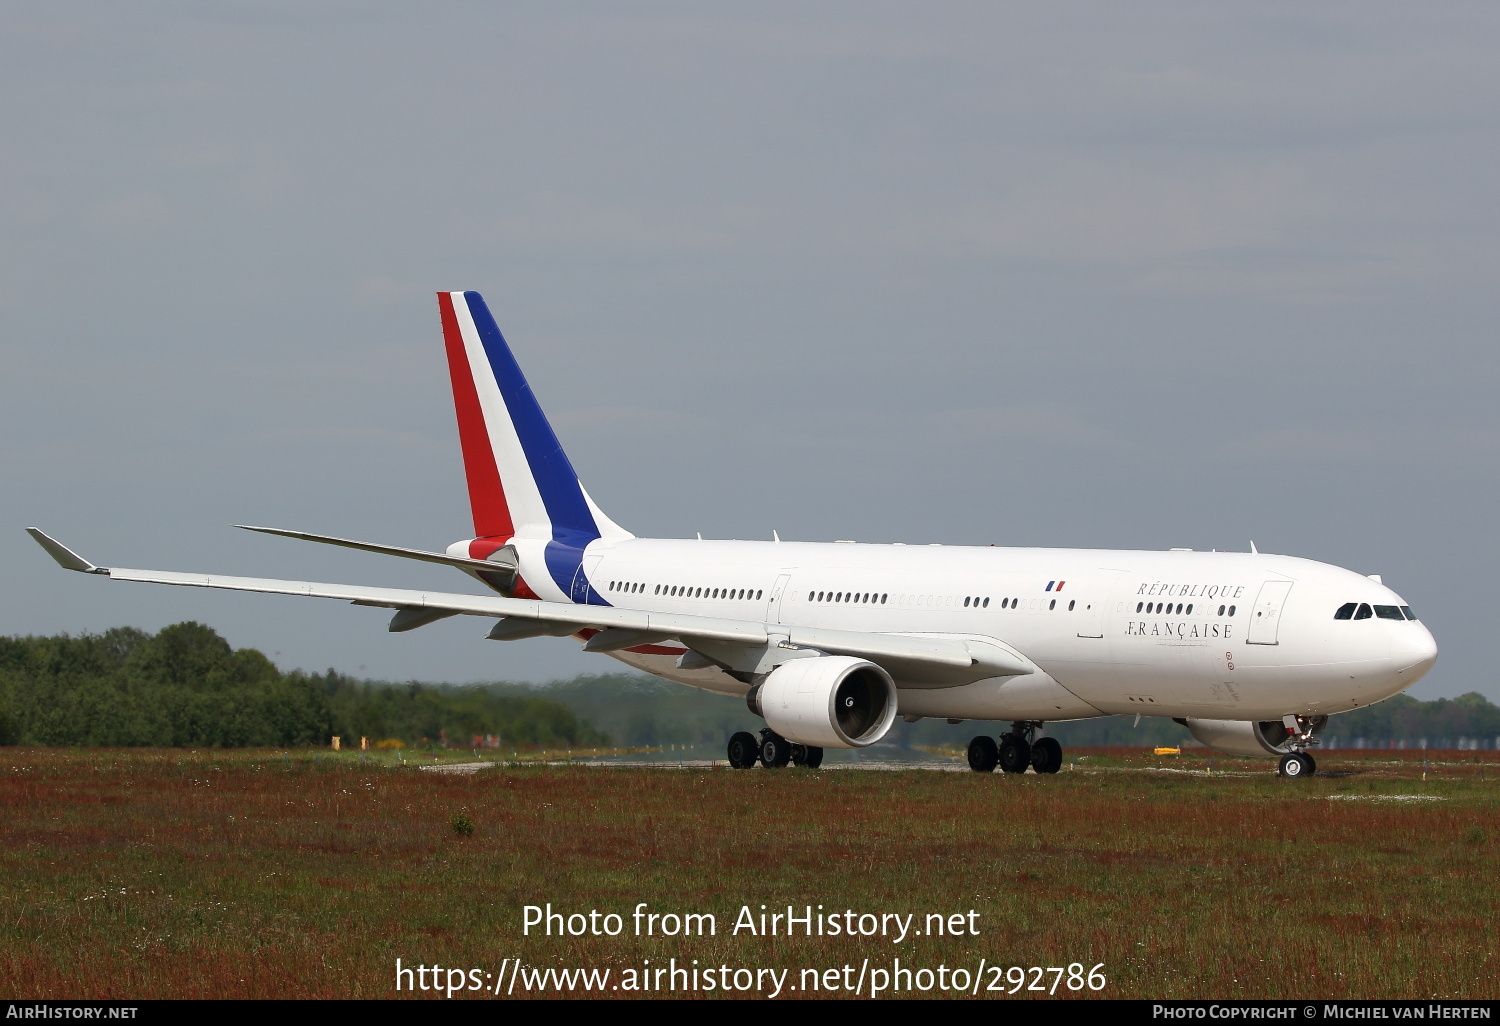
1016	750
771	750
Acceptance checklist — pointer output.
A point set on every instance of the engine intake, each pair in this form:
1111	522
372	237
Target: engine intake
827	701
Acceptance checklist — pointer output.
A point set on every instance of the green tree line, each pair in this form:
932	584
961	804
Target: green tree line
186	686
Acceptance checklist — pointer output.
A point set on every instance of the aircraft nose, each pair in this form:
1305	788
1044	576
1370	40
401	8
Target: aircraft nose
1413	651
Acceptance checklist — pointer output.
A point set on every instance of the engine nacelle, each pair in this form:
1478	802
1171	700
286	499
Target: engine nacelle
827	701
1241	737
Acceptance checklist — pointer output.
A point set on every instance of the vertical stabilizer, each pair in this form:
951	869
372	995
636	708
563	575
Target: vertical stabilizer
521	483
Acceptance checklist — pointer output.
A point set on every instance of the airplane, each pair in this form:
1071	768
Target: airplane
829	642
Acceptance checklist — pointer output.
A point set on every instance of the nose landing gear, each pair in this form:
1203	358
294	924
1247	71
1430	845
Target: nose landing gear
1301	731
1016	750
1297	764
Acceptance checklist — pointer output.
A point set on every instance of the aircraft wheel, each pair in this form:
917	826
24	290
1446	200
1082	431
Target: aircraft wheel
1015	754
775	750
1046	755
808	756
743	750
1296	764
983	755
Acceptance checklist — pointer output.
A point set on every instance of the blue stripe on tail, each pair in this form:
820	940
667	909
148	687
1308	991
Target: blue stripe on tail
573	526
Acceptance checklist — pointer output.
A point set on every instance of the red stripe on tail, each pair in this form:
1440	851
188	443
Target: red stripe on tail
486	493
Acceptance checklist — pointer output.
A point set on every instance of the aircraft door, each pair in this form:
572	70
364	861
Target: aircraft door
1092	624
1098	595
1266	616
773	605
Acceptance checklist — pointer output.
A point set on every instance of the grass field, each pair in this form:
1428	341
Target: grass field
152	873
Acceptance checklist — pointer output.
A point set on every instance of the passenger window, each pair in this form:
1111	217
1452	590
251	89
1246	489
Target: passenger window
1221	610
1139	606
1345	611
1052	604
986	603
884	596
1071	604
1231	610
1409	614
1190	609
1389	613
1363	612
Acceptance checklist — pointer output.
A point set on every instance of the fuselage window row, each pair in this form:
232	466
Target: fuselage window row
683	591
1363	611
1167	607
867	597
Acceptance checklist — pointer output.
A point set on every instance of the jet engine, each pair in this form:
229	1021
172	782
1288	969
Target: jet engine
827	701
1241	737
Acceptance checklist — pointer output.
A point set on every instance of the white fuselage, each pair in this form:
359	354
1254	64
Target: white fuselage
1184	634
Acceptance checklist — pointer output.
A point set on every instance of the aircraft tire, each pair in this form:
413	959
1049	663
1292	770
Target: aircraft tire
775	750
983	754
1046	755
1015	754
743	750
807	756
1296	764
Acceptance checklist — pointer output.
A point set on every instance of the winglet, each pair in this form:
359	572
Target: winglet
66	557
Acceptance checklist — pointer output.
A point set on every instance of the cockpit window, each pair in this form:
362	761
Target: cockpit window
1363	612
1389	612
1345	611
1409	614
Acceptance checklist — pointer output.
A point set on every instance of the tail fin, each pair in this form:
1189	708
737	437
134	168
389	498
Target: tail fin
520	480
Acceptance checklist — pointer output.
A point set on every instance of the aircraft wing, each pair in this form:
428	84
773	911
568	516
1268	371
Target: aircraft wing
937	660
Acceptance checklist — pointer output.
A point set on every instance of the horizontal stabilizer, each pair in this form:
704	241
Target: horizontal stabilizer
389	550
66	557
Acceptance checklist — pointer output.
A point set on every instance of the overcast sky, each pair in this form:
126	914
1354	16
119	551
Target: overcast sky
1135	276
